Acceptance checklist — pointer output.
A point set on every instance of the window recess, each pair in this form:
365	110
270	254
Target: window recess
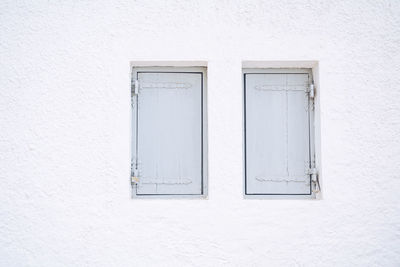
168	132
279	132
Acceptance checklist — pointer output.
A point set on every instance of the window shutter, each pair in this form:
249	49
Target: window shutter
167	146
277	134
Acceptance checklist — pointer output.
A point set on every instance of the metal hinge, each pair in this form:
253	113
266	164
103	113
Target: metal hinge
135	87
311	90
314	179
135	176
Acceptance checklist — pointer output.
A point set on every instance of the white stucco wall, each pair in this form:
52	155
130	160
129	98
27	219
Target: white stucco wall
65	129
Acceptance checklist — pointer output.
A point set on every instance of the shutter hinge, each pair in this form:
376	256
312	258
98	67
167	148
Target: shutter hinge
135	87
135	176
311	90
314	179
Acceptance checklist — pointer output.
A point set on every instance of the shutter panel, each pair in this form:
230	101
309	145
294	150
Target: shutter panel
277	134
169	133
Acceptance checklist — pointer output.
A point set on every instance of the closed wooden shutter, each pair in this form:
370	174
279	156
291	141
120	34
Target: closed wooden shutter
168	143
277	133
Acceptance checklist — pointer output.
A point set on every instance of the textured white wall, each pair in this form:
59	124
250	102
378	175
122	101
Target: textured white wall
64	139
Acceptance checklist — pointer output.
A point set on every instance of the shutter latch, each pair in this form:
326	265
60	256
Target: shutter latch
314	179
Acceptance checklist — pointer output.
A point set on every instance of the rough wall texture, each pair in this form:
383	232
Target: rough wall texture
65	128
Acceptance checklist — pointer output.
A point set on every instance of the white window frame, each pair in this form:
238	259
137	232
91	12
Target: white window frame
190	69
314	187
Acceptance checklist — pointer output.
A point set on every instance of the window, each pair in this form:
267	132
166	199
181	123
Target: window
278	132
168	131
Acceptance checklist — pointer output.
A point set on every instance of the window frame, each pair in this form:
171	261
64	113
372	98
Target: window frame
204	146
312	124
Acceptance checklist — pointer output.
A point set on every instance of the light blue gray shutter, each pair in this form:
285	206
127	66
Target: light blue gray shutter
169	133
277	134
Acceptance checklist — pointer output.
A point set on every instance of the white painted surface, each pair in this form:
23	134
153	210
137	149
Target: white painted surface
65	132
169	133
277	133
